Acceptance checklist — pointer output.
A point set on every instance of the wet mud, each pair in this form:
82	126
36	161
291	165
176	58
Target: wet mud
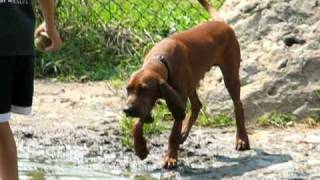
73	133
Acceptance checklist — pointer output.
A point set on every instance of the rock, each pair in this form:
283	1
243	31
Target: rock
291	40
280	65
247	8
314	139
28	135
301	111
83	79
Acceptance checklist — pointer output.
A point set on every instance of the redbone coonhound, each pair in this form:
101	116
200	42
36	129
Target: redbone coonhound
172	70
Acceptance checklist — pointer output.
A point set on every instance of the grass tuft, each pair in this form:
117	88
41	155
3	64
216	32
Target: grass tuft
221	120
311	121
275	119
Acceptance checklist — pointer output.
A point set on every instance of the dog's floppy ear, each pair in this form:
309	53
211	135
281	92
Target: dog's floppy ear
173	100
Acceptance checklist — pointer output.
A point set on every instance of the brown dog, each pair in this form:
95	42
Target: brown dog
172	70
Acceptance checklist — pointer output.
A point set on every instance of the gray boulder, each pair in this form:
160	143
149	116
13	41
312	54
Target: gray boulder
280	46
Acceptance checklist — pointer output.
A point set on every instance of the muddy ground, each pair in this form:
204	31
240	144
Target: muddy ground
73	134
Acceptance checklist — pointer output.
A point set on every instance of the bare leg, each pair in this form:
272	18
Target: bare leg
8	154
140	145
195	109
170	159
232	82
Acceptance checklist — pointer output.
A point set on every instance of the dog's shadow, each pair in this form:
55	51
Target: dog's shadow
234	166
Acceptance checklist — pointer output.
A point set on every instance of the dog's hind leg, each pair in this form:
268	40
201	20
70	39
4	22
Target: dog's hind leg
195	109
230	73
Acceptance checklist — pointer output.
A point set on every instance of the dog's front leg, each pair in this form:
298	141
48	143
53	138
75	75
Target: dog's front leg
170	159
140	145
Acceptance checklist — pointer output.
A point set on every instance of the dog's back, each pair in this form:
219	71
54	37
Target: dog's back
207	45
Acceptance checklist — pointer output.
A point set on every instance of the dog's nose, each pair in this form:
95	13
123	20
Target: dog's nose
130	111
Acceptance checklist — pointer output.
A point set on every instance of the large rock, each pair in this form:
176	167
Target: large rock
280	46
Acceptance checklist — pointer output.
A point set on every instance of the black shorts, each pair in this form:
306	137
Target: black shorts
16	85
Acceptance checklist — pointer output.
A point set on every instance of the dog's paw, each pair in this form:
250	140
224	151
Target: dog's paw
170	161
141	149
142	153
242	143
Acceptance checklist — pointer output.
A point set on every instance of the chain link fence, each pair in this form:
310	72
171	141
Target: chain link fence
140	14
121	29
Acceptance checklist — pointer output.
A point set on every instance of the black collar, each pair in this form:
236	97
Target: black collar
165	63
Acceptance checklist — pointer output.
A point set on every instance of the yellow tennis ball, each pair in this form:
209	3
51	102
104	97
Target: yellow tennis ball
41	42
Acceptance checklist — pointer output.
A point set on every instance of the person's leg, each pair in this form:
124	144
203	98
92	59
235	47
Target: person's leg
22	87
8	153
20	102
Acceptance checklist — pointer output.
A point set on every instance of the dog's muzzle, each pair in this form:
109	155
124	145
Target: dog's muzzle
131	111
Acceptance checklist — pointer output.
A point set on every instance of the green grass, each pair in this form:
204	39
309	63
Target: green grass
275	119
221	120
108	39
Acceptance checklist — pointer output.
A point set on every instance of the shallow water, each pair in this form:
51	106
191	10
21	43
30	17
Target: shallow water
37	170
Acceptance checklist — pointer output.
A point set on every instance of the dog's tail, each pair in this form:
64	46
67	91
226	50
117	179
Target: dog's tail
215	15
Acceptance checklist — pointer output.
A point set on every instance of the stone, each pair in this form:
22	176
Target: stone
301	111
279	41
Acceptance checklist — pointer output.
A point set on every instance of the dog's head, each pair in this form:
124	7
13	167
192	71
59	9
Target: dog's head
144	88
143	92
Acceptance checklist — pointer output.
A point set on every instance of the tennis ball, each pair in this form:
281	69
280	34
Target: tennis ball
42	41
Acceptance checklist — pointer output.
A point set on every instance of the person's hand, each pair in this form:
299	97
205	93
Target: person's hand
53	35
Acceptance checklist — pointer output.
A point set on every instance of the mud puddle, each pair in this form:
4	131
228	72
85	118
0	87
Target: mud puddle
33	169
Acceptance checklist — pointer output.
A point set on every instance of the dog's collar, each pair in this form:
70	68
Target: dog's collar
162	60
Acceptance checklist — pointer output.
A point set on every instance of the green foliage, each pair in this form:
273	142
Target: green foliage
126	129
108	39
276	119
220	120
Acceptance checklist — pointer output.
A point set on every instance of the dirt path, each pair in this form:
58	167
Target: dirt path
76	126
